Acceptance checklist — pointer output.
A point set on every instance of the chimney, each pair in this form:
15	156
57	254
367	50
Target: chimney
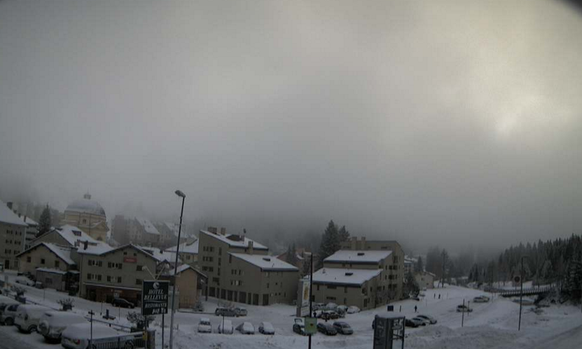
9	204
85	244
212	230
24	218
223	231
19	215
354	243
251	250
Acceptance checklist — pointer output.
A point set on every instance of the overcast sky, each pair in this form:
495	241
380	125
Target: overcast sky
455	122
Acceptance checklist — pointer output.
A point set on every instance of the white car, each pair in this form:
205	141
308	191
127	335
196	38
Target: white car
266	328
246	328
28	317
330	306
353	309
78	336
53	323
481	299
8	314
205	326
24	281
225	327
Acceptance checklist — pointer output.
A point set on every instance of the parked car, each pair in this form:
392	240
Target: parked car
353	310
414	322
23	280
429	318
343	327
225	327
77	337
463	309
481	299
317	306
28	317
53	323
38	285
246	328
326	328
299	326
9	313
240	311
266	328
204	326
342	308
422	320
331	306
329	315
220	311
122	303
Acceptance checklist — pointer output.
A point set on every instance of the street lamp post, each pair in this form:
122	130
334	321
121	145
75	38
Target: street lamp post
183	196
521	294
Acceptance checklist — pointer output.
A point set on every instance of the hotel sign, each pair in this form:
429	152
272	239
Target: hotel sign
154	297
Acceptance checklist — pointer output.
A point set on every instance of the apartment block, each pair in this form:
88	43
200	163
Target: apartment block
143	232
240	270
12	237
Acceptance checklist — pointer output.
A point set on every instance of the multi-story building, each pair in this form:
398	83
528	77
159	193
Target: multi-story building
88	215
169	233
143	232
188	285
120	229
51	264
12	237
425	280
409	264
188	252
366	274
240	270
302	259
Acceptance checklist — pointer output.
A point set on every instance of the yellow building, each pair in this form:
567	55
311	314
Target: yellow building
89	216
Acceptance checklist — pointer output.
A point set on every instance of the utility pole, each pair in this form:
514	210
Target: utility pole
520	294
183	196
310	292
444	253
91	313
463	314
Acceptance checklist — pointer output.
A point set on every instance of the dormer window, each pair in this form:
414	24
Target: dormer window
77	232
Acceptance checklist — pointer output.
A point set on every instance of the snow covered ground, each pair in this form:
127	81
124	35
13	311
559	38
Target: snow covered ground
490	325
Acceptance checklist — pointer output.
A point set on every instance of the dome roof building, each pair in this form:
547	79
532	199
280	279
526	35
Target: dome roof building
89	216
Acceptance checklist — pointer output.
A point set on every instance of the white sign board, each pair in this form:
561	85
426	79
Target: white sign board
303	298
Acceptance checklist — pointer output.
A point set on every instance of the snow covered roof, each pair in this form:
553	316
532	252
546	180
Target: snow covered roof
53	271
184	267
7	216
342	276
355	256
86	205
96	249
161	256
147	226
63	253
186	247
74	235
173	227
233	241
267	263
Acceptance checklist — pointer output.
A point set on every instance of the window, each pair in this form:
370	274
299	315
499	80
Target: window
138	281
138	267
98	277
330	287
89	276
57	264
42	261
108	278
119	265
119	279
28	259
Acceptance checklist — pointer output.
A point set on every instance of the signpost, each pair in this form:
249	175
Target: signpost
303	298
154	297
310	325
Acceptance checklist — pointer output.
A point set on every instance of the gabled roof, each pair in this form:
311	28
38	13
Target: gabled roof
342	276
63	253
266	263
161	256
182	268
243	243
9	217
186	247
147	226
101	252
73	235
173	228
358	257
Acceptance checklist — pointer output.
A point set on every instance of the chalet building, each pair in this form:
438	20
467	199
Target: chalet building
143	232
240	270
189	284
363	273
188	252
425	280
12	237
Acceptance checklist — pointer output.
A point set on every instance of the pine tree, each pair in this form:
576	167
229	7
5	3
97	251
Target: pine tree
44	224
292	255
330	243
419	267
343	234
411	287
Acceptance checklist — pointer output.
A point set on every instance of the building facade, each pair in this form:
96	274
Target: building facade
12	237
189	282
188	252
240	270
143	232
88	215
425	280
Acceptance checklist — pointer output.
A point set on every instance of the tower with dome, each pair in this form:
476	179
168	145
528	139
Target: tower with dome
89	216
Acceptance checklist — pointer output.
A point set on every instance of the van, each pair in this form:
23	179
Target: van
28	317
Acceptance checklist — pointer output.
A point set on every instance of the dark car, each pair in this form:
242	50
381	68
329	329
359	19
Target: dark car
343	327
122	303
326	328
329	315
225	312
299	328
414	322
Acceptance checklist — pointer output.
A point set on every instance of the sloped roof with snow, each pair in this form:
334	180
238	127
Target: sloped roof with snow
267	263
244	243
148	227
161	256
173	227
63	253
355	256
9	217
73	235
342	276
184	267
185	247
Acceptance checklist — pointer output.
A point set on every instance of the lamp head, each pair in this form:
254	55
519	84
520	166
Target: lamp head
180	194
